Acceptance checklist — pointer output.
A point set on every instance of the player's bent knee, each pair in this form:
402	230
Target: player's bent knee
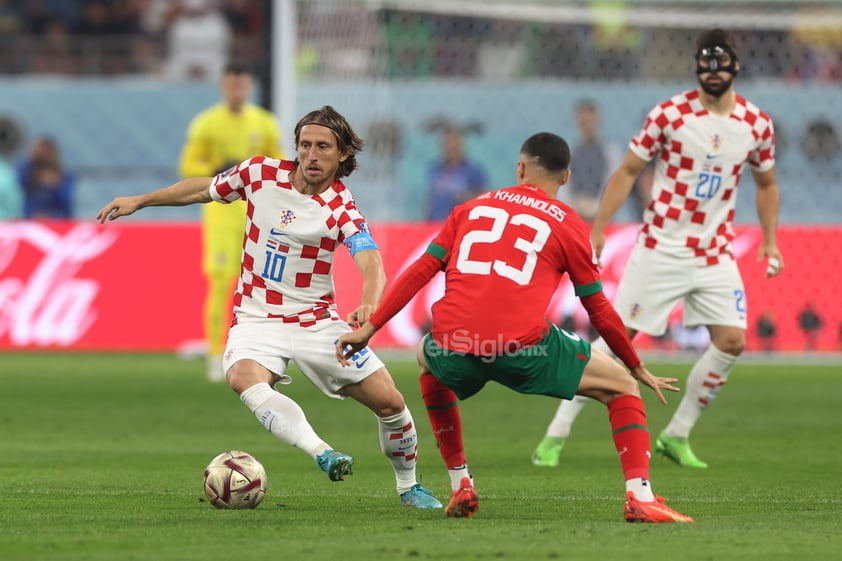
243	374
732	343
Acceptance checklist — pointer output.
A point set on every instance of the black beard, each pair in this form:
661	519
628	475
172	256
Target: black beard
716	90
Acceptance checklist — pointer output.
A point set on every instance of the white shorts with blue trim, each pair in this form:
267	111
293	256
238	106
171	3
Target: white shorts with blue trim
274	344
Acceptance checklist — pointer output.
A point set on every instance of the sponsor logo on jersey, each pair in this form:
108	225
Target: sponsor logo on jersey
712	156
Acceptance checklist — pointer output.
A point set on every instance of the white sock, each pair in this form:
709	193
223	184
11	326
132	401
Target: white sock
706	378
641	488
284	418
566	413
568	410
399	443
456	474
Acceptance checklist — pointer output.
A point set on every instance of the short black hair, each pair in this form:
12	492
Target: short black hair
548	150
715	37
237	67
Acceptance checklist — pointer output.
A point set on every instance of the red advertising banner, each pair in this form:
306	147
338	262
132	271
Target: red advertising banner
138	286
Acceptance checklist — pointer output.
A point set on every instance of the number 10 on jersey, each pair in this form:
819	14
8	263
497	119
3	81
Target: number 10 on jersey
273	269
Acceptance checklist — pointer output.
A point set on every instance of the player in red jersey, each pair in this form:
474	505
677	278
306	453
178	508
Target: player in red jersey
700	140
503	255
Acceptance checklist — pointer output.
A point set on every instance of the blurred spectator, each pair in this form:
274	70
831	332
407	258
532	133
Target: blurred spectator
48	188
52	53
559	50
816	51
502	51
454	179
103	29
246	20
767	331
614	42
820	141
198	40
810	323
11	20
409	44
11	200
592	160
457	40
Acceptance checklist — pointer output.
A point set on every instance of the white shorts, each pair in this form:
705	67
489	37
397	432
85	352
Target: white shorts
653	283
273	344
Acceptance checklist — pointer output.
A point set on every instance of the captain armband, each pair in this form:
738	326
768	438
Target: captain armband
361	241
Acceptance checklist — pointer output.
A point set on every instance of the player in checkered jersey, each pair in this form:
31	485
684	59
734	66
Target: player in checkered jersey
701	140
297	214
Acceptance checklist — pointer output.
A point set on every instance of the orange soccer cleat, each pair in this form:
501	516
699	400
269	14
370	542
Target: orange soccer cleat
464	502
655	512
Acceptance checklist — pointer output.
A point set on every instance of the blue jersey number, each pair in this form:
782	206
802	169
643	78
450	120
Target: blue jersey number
708	185
273	269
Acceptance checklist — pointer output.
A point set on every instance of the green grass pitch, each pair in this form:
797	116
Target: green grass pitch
101	458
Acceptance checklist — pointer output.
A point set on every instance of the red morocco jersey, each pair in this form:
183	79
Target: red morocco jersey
288	243
694	193
504	254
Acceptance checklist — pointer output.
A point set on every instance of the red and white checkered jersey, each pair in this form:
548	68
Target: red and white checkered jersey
289	241
694	193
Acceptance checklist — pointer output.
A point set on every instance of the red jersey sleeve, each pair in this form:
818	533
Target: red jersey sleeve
580	259
608	324
413	279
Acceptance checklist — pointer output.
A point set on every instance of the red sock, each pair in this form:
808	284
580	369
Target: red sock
443	411
631	435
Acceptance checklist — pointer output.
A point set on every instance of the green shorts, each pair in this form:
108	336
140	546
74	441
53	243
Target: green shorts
553	366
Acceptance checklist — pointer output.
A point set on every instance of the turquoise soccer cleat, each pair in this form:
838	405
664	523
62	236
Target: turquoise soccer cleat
335	464
419	497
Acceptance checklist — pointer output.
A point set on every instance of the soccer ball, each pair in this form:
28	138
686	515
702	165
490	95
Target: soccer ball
235	479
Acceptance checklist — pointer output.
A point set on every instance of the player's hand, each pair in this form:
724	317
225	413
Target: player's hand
598	242
775	263
353	342
657	383
121	206
360	315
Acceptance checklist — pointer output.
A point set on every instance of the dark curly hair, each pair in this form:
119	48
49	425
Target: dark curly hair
347	139
716	37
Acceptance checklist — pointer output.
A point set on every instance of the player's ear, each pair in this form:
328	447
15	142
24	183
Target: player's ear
520	172
565	176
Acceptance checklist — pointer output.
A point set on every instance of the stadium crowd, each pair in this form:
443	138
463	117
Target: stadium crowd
162	37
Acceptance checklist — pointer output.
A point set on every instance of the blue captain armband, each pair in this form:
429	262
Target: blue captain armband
361	241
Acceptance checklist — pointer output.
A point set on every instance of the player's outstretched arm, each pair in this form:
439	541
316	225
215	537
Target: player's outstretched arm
185	192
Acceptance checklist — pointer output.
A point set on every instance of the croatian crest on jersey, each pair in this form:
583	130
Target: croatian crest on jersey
635	310
287	218
716	142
